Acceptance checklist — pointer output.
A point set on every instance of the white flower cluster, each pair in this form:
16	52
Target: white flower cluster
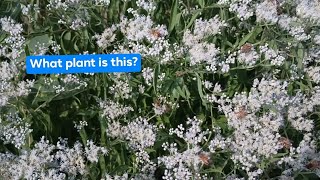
8	88
141	28
69	82
114	130
272	55
162	105
125	176
13	130
47	161
138	28
202	52
309	10
203	29
297	113
140	135
116	177
194	135
209	85
80	125
299	33
147	74
160	81
78	24
58	4
234	177
107	37
141	88
13	45
71	160
247	55
219	142
185	165
294	26
215	92
26	9
121	89
73	79
42	49
180	165
144	163
294	73
55	46
316	39
148	5
93	152
243	8
113	110
314	73
256	135
73	14
267	11
257	119
102	2
304	157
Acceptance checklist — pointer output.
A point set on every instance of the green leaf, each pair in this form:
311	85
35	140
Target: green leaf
199	85
242	76
252	34
166	119
2	36
302	86
75	46
167	85
174	15
155	79
194	17
65	41
64	114
187	92
90	113
201	116
216	170
38	40
94	171
181	92
201	3
67	94
255	33
177	19
222	122
67	36
236	44
83	136
122	168
175	93
300	54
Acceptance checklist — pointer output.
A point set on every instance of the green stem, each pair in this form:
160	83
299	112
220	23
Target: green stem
103	129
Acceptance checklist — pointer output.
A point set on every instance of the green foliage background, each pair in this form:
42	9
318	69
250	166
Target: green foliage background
53	115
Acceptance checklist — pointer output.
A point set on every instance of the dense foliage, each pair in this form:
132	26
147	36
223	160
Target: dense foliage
229	89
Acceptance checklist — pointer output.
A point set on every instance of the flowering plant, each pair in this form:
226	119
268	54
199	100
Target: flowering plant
229	89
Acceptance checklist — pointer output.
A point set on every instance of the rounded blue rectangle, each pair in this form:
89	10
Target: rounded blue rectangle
93	63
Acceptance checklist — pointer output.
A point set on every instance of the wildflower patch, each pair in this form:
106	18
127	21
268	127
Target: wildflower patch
62	64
